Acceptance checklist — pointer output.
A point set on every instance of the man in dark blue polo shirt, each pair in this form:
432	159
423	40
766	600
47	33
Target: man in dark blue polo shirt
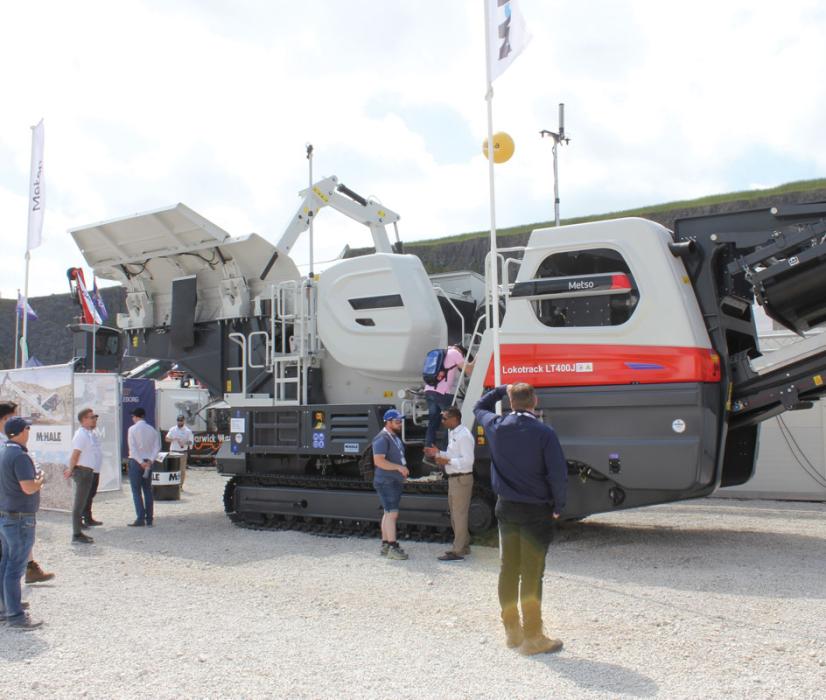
530	477
20	485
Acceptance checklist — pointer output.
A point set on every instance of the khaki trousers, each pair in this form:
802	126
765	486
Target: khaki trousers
459	492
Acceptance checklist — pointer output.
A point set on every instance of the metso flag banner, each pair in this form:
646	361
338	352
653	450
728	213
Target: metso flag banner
37	191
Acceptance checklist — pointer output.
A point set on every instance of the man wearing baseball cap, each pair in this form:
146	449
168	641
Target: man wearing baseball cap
34	572
388	480
181	439
20	485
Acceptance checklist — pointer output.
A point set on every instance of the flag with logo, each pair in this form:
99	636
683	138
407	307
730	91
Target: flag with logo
37	191
30	314
507	35
97	299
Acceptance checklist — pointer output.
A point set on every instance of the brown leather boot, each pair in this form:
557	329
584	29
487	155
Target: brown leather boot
513	628
34	574
540	644
535	641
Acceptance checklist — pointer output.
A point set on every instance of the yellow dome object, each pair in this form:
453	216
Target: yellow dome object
503	147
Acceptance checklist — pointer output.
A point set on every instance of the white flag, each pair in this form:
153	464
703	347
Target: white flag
37	201
507	35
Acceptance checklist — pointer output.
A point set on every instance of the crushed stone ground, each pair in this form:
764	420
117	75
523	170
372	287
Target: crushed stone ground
710	598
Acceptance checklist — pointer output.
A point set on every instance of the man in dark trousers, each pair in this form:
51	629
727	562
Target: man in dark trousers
530	477
84	466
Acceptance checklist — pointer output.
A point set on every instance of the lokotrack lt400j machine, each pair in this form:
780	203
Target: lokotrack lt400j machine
639	340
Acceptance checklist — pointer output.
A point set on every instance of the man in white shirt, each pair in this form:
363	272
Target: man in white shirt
144	445
181	439
84	464
457	462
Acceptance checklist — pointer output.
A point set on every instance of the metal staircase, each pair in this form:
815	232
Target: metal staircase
290	346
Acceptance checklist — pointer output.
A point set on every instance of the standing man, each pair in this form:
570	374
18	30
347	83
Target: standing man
34	573
84	466
441	395
20	485
530	477
391	471
181	439
457	462
144	446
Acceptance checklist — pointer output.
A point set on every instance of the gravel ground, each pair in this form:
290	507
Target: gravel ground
703	599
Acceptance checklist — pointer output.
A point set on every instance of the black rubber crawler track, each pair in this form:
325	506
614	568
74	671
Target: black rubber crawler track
335	527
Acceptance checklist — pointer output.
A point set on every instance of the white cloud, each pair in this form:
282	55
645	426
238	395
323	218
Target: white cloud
149	103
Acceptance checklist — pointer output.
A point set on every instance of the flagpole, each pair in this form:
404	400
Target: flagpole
94	343
24	345
16	327
494	255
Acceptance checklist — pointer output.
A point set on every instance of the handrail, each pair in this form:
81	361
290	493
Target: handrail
241	341
453	306
267	359
462	374
408	406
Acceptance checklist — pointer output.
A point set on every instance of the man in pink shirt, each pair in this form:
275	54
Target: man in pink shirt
440	397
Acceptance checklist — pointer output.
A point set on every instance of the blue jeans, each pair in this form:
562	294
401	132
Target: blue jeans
390	493
141	492
17	540
436	403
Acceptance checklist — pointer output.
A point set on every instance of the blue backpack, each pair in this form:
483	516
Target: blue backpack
434	370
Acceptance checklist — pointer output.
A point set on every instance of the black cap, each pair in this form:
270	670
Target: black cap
15	426
138	412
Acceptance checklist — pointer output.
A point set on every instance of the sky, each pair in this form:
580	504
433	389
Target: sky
147	103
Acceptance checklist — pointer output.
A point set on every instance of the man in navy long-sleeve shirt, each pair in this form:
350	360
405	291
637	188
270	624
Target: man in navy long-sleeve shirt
530	477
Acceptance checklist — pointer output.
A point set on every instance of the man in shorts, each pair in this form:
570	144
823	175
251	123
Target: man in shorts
391	471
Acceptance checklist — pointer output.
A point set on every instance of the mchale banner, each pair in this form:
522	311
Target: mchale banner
44	396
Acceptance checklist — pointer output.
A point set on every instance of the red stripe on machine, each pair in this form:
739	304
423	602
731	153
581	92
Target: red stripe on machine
593	365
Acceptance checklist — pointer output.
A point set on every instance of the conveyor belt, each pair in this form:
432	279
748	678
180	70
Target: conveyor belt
784	380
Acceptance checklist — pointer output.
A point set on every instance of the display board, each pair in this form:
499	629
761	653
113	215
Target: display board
44	396
136	393
101	392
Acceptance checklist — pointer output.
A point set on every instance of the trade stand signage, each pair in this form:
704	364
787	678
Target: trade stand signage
44	396
101	392
136	393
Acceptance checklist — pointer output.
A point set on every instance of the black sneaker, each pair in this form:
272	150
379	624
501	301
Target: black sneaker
149	523
23	623
451	556
82	539
137	523
91	522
